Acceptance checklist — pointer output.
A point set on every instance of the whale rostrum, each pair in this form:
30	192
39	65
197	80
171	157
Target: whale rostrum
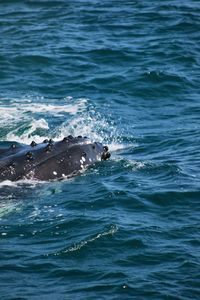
49	160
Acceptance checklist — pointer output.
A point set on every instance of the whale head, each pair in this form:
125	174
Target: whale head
50	160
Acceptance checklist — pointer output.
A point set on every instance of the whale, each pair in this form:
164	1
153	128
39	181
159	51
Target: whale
49	160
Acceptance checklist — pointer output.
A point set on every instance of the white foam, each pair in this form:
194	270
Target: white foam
116	146
7	183
19	107
133	164
31	183
25	113
26	136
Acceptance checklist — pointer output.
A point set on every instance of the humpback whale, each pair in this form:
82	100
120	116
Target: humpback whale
49	160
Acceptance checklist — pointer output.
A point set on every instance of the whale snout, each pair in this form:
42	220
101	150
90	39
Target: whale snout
106	154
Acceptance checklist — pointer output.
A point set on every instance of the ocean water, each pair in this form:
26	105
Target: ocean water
125	73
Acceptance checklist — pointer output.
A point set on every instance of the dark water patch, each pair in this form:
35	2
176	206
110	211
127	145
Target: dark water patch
175	198
32	60
109	56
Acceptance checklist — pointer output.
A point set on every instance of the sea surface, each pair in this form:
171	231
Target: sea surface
127	74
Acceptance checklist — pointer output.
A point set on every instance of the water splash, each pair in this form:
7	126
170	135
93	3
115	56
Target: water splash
24	120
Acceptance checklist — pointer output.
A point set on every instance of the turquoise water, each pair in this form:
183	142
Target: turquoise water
125	73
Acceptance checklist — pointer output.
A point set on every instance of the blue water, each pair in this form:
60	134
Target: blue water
125	73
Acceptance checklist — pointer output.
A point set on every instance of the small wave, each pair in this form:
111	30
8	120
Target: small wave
164	77
112	230
130	164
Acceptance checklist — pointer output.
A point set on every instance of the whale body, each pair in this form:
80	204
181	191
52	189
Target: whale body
49	160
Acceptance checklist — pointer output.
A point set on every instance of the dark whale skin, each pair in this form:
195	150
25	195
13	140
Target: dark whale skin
49	160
